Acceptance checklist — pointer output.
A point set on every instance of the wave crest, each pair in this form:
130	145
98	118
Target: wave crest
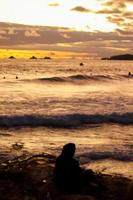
77	77
65	121
120	156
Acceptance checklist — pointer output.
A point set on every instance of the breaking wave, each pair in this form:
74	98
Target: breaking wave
77	77
65	121
116	155
81	77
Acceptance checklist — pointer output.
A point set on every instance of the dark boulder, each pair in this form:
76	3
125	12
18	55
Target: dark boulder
33	57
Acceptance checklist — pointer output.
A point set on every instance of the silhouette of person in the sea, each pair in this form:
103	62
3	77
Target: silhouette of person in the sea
130	74
67	170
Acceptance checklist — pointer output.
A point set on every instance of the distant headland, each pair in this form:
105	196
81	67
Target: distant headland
120	57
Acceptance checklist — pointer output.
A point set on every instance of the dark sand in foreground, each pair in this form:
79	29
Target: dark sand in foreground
30	178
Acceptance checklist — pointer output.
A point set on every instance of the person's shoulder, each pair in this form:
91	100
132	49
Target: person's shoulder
59	159
76	161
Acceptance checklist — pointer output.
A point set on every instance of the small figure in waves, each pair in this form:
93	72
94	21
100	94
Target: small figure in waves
130	74
81	64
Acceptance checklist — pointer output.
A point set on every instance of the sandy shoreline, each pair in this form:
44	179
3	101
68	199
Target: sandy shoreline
12	150
30	178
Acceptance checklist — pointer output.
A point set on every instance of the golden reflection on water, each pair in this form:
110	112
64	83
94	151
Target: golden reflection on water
42	139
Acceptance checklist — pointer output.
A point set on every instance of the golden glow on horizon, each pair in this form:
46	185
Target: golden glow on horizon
4	53
38	12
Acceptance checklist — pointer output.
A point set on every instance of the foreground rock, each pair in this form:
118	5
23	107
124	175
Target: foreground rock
30	178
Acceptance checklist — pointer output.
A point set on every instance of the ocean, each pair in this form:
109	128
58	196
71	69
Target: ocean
45	104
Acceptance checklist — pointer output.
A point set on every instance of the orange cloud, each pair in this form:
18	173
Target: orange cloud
109	11
81	9
117	13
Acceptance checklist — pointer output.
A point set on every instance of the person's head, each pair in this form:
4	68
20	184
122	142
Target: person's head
68	150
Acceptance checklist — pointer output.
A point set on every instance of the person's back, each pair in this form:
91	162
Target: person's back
67	170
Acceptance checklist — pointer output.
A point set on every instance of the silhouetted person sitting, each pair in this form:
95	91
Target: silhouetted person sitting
69	178
67	171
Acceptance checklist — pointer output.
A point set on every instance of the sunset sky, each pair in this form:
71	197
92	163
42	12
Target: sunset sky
88	28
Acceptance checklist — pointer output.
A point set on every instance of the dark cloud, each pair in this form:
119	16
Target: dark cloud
81	9
15	36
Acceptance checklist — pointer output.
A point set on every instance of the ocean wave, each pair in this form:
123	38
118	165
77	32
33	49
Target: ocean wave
52	79
92	77
77	77
65	121
115	155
